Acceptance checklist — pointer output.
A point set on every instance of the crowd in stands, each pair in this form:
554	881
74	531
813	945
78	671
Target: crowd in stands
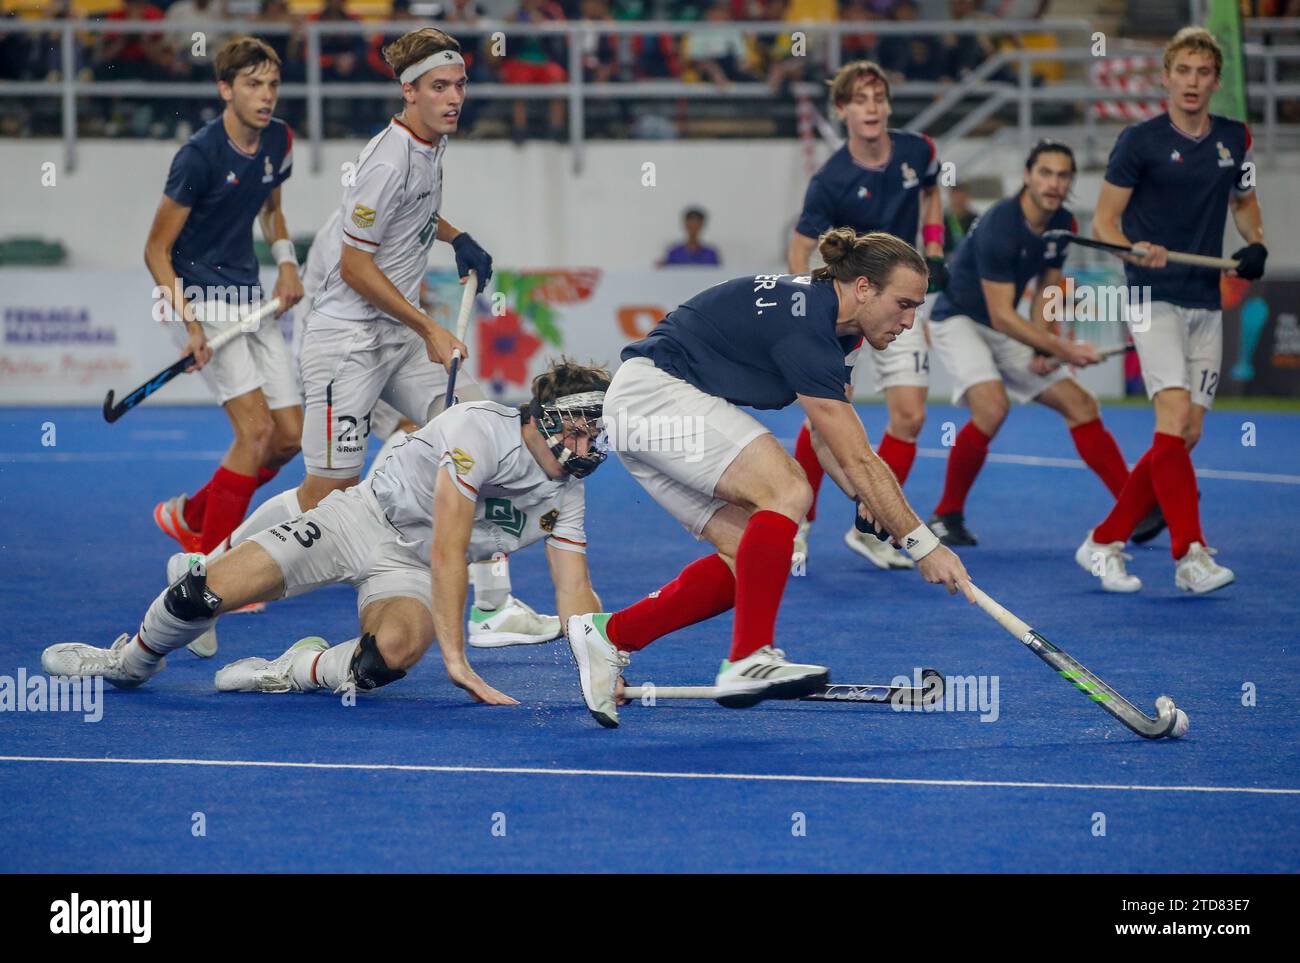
719	56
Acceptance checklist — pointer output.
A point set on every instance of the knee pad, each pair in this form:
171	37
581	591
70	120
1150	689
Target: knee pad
368	668
189	598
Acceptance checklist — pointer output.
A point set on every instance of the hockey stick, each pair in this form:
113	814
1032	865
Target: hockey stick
1107	352
1099	691
929	692
247	325
462	328
1175	257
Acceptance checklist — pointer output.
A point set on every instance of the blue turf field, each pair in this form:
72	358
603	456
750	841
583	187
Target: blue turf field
411	777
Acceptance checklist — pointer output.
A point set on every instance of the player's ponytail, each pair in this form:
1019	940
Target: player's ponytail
849	255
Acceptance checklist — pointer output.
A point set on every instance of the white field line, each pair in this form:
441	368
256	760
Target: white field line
642	774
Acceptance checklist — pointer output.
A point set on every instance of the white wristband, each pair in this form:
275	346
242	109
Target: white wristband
920	542
284	252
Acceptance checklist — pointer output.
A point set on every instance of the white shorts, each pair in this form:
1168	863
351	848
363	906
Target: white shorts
674	439
1180	348
347	539
904	362
974	353
249	362
346	368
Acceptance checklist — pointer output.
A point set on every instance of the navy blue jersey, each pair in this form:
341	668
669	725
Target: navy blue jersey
1181	187
845	193
755	341
1001	246
224	188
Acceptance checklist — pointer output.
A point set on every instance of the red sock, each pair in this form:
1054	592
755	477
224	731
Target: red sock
264	475
195	506
1099	451
807	459
228	498
1174	481
704	588
964	463
1135	500
898	455
762	567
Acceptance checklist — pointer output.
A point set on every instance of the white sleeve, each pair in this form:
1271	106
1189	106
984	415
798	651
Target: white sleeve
469	454
569	533
369	204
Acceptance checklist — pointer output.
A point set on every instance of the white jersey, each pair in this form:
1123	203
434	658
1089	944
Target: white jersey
390	210
480	447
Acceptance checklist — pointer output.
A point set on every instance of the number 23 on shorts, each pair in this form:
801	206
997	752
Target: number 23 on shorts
304	532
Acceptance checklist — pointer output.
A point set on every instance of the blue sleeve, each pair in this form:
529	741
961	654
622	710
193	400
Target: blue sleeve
188	178
1124	169
286	164
930	163
995	259
818	215
810	365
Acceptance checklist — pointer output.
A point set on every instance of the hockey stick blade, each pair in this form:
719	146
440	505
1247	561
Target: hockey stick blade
1079	676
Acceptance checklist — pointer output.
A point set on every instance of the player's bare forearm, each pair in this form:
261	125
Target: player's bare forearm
798	255
271	219
932	216
168	221
453	524
1047	289
360	272
573	592
871	481
1111	202
1248	218
828	462
446	232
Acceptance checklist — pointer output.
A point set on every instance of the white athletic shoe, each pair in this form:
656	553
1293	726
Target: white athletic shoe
77	658
205	646
1107	562
878	552
1197	572
266	675
599	666
799	555
515	623
766	674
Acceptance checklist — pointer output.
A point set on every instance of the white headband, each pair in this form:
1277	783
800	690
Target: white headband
441	59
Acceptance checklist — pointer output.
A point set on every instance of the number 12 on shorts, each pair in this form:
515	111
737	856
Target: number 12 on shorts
1209	381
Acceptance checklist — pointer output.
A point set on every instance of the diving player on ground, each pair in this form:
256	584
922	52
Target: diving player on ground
1169	184
996	356
763	342
880	180
200	253
480	478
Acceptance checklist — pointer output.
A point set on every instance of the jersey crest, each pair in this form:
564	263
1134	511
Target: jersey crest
363	217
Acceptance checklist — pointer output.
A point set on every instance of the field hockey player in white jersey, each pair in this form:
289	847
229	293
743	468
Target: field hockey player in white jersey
366	338
481	477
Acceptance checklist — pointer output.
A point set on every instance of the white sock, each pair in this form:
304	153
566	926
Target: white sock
162	632
491	583
331	666
395	439
276	509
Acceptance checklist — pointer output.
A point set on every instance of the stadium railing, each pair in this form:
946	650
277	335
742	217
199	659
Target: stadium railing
977	96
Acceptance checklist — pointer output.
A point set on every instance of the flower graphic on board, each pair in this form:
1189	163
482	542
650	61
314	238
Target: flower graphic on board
504	348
